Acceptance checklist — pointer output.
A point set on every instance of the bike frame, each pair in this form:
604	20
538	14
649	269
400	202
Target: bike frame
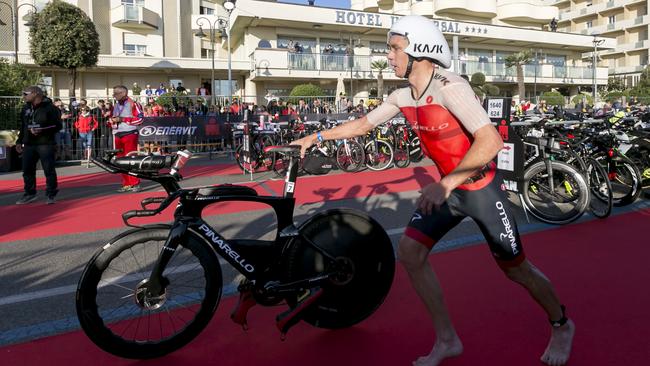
252	258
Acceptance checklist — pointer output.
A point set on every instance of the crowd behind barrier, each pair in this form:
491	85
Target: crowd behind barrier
176	121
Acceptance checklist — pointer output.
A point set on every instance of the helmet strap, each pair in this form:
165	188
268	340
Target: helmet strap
409	67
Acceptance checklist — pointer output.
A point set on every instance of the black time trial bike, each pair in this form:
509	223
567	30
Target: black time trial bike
154	288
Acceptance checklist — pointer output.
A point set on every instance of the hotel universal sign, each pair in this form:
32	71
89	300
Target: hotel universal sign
386	21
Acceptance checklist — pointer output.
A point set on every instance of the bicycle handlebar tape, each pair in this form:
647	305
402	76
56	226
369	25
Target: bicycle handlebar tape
137	213
149	200
102	164
291	317
245	303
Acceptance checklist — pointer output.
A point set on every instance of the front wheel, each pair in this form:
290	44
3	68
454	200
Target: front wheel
350	156
363	248
558	196
120	315
379	155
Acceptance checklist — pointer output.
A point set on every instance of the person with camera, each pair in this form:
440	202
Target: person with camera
127	115
40	121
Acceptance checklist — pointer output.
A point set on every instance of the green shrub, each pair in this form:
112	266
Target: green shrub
553	98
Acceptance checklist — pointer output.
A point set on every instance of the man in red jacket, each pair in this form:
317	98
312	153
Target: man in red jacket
127	114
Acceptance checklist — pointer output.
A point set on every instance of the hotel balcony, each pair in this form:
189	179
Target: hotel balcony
148	63
280	64
497	72
525	11
134	17
597	8
619	26
483	8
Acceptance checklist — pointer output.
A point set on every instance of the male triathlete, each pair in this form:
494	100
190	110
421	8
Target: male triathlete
457	135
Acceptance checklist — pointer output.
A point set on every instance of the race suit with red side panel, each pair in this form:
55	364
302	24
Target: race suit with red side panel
445	117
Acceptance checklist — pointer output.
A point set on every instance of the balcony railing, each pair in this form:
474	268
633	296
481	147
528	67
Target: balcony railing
330	62
134	16
361	64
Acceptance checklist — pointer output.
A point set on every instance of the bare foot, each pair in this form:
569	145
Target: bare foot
440	351
559	346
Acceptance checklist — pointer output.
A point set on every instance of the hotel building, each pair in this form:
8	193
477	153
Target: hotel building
154	41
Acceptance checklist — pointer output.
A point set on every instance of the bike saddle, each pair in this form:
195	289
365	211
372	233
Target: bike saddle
144	162
285	149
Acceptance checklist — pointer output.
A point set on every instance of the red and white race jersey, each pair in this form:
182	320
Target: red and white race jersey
444	117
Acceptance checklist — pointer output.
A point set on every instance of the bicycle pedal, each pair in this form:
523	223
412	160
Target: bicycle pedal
291	317
245	303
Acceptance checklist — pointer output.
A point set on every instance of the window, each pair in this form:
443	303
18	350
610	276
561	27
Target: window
308	45
205	10
589	24
556	60
338	47
612	19
135	49
206	53
378	48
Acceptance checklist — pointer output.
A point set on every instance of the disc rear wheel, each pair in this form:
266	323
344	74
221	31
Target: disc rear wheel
364	255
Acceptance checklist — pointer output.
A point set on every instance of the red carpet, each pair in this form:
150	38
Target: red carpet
99	213
599	269
102	178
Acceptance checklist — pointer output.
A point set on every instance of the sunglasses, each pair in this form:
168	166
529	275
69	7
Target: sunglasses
26	93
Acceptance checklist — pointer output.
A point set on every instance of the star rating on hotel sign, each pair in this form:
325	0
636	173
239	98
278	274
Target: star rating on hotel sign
478	30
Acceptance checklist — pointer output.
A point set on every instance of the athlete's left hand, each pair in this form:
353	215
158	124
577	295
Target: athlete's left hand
433	195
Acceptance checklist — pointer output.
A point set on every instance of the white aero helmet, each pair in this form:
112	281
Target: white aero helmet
425	39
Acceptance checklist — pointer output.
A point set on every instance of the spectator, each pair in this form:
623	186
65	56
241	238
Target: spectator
127	114
101	130
63	138
328	49
317	107
86	124
553	25
136	90
203	90
235	107
181	89
40	120
303	108
150	93
161	90
291	47
342	103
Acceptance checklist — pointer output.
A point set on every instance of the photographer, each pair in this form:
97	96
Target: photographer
40	121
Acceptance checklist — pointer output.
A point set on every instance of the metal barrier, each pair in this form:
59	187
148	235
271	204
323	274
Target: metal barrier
176	104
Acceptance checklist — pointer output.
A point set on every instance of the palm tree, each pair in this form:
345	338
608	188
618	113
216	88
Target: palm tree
380	65
518	60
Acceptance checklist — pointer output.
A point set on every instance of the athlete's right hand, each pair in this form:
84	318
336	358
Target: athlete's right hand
304	143
19	148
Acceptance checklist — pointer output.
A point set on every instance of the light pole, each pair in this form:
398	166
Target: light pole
349	57
220	24
14	24
597	42
535	83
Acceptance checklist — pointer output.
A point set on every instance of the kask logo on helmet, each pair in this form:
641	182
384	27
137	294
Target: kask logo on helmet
429	48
